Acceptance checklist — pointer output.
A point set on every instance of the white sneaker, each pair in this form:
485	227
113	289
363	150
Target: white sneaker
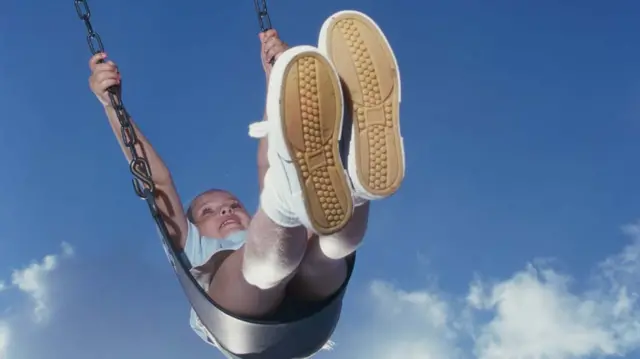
370	77
306	183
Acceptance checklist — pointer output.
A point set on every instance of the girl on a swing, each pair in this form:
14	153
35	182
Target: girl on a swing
315	184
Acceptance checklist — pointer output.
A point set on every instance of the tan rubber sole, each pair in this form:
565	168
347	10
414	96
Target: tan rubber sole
312	111
365	62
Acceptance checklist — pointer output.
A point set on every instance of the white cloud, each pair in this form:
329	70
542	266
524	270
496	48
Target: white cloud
535	316
32	280
67	249
413	325
537	313
4	339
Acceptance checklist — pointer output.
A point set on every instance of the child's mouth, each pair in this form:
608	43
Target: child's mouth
229	222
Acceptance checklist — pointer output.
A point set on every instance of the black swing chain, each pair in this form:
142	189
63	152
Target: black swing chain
139	166
263	18
263	15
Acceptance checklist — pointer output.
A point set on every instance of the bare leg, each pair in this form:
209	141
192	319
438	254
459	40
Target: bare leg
324	268
371	85
251	282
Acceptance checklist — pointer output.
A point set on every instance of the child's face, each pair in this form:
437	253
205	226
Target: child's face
217	214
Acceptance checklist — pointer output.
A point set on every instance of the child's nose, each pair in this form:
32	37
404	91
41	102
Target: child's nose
226	211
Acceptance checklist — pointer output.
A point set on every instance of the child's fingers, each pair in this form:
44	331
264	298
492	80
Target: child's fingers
269	34
106	84
100	76
94	60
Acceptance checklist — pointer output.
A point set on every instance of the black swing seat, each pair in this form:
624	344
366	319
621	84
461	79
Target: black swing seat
296	330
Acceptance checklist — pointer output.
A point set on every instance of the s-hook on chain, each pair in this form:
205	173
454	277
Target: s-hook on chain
139	165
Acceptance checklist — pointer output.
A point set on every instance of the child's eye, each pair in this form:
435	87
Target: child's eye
207	211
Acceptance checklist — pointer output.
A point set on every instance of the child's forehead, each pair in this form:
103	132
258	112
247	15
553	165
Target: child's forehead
213	196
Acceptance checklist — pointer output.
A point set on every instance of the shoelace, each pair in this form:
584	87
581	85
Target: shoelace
259	129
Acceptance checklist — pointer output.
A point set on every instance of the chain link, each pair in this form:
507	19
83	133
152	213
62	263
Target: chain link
139	166
142	180
263	15
263	19
143	184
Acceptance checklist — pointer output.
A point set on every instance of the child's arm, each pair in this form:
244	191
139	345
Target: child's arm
263	162
105	75
271	48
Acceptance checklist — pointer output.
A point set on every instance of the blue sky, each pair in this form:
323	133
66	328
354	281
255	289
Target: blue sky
515	236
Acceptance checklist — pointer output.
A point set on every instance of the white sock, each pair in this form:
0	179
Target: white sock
275	204
357	200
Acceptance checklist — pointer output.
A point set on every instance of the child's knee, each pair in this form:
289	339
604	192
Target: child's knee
341	244
271	258
338	247
267	273
234	293
263	277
